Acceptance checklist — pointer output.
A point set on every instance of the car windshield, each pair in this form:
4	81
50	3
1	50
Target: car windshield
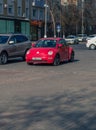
81	35
3	39
71	37
46	43
92	36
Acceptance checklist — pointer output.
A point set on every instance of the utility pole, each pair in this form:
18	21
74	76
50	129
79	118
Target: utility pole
45	27
82	17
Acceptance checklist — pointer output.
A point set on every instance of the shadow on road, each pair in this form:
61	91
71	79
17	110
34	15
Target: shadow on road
62	63
66	111
15	60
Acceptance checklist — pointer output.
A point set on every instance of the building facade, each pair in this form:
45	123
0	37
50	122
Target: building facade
22	16
37	12
12	17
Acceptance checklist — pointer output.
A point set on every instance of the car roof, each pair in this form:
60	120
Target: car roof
81	34
71	36
51	38
92	35
5	34
10	34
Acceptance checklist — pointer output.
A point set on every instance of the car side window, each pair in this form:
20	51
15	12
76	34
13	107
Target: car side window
62	41
21	38
3	39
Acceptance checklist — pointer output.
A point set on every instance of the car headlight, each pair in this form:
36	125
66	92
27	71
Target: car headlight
28	52
50	53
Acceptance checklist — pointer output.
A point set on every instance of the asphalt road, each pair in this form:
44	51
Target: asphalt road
45	97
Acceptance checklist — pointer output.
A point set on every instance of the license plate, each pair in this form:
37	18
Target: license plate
36	58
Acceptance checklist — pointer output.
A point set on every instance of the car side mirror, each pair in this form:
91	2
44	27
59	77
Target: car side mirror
11	42
60	45
33	45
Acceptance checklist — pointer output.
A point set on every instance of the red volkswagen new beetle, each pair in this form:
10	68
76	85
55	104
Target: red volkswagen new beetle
50	51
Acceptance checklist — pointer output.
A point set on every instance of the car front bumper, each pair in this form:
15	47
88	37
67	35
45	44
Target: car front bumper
40	60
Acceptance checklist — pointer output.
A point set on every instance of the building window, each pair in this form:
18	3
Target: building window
1	8
34	13
19	7
27	12
27	2
10	10
19	11
41	14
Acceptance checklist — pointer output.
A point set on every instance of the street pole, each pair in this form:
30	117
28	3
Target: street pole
45	27
82	16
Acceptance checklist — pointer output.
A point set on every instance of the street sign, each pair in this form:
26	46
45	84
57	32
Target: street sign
58	28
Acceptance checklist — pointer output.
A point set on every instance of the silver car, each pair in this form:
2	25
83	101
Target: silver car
71	39
13	45
82	37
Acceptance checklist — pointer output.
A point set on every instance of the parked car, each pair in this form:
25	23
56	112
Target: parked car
91	36
71	39
91	43
50	51
13	45
82	37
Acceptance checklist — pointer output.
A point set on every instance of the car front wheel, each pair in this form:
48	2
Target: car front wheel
71	57
56	60
92	47
3	58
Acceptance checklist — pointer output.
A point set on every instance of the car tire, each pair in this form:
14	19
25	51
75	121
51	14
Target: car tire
71	57
3	58
24	56
75	42
92	47
29	63
56	60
